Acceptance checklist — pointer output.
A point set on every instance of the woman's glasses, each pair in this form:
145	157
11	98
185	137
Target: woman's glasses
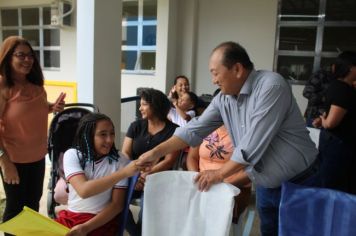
22	56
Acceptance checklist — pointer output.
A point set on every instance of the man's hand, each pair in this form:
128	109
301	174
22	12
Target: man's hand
207	178
146	161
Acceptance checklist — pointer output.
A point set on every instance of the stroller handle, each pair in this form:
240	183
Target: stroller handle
95	108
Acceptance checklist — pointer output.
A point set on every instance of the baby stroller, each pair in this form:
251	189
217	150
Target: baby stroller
61	136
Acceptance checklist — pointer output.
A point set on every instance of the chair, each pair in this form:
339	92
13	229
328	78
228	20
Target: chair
314	135
174	206
312	211
124	214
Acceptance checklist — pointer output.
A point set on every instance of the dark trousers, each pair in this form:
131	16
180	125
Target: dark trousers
267	203
28	192
268	199
337	163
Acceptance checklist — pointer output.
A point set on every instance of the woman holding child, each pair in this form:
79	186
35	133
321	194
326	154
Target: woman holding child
180	87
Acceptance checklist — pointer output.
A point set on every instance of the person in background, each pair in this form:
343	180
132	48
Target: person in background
182	112
97	176
180	86
314	91
184	109
143	135
24	113
215	150
337	143
271	142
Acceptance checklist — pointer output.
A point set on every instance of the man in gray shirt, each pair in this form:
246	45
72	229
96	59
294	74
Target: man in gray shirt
272	144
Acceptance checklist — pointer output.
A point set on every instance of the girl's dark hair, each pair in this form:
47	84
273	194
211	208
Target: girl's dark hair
84	138
180	77
343	63
234	53
7	49
158	102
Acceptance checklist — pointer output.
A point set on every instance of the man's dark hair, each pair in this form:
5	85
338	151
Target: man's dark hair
158	101
234	53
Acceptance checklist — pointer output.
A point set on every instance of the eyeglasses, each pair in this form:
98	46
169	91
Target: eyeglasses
22	56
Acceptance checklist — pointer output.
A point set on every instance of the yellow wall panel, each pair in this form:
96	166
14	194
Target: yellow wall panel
54	88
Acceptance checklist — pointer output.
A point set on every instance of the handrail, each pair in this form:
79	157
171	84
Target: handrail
130	99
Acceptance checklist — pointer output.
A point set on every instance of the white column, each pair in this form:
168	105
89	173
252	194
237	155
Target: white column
99	56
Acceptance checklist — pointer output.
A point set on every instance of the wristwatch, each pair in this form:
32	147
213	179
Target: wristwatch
1	153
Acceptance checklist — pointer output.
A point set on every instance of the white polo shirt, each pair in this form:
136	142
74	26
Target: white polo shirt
101	168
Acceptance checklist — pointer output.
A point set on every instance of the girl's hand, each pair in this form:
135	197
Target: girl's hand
9	170
130	169
78	230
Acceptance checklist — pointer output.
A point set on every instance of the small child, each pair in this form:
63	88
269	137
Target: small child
184	109
97	177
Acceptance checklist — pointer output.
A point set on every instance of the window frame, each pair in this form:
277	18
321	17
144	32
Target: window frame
40	27
140	48
320	25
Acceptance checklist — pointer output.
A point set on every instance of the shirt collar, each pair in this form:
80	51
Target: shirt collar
247	86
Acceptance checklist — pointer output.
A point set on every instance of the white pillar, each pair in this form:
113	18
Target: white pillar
99	56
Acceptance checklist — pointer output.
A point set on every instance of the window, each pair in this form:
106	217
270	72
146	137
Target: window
310	34
34	24
139	27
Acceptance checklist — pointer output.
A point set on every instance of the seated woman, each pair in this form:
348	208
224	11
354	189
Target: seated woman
213	152
146	133
97	178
